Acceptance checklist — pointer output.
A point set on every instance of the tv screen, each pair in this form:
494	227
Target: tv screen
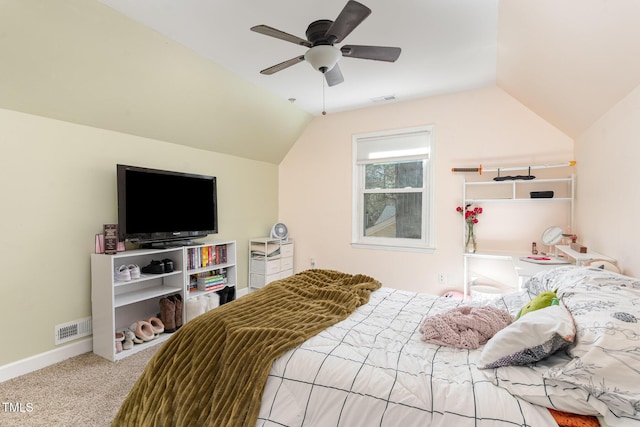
160	206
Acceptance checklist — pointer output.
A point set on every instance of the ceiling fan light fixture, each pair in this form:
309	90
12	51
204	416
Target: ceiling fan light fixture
323	57
321	36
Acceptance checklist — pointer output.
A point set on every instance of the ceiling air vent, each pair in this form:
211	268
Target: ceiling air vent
384	98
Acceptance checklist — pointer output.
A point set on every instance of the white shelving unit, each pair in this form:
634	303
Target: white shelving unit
581	257
519	190
222	262
269	260
516	219
117	304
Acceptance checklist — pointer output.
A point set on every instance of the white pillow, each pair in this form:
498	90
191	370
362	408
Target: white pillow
528	383
529	339
605	360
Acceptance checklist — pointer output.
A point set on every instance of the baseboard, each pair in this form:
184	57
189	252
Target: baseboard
39	361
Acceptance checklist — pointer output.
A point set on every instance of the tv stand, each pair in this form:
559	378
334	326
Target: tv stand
116	304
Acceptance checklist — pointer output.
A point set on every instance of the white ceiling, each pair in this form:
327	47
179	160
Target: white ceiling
447	45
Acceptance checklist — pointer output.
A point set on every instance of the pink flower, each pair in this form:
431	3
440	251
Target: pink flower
470	215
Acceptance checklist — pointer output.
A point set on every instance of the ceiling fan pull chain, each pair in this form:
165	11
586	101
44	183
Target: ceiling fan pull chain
324	109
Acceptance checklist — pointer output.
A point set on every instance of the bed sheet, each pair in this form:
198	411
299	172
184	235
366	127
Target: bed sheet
372	369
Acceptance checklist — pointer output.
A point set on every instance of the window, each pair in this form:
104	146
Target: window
392	189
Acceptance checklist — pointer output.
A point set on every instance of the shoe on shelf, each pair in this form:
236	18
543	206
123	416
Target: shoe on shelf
168	265
143	330
177	300
132	335
168	314
119	338
134	270
155	267
122	274
157	325
129	336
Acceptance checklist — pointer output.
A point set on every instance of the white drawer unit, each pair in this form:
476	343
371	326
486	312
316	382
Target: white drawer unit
286	264
268	267
269	260
287	250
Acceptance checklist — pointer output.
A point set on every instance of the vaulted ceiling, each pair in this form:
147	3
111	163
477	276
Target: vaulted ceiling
570	61
187	72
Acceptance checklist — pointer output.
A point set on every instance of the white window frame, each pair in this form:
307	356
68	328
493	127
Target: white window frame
358	239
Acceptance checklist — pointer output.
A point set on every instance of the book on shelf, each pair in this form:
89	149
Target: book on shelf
207	281
206	256
211	282
221	254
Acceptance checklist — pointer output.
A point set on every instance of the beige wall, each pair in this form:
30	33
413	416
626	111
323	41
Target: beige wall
481	126
607	196
58	188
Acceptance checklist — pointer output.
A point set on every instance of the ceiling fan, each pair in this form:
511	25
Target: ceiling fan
321	37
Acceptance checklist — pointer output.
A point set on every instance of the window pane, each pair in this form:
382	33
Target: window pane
393	215
394	175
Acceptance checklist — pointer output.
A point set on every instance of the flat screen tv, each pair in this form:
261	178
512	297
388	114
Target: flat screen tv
164	207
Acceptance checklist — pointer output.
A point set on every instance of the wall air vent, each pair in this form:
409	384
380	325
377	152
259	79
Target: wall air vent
72	330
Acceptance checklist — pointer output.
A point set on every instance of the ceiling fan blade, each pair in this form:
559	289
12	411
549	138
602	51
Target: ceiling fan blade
281	66
334	76
350	17
378	53
272	32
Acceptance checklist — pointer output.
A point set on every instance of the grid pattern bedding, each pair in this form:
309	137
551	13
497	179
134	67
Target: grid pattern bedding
372	369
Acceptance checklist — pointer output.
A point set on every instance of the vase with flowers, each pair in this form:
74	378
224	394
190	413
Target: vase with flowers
470	219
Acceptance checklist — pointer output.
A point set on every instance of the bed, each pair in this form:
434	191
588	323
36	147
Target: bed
325	348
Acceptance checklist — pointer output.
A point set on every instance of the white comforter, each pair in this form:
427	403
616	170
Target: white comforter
373	370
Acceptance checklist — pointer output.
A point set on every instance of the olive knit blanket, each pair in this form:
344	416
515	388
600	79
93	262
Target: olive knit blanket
212	371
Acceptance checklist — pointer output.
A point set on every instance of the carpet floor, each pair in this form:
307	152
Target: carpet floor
85	390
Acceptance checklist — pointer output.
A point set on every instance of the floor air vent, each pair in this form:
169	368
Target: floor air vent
72	330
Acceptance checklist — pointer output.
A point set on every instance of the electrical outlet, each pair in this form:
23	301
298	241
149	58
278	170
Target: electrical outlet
313	263
442	278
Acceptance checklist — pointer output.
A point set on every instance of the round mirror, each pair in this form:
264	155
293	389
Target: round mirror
552	235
